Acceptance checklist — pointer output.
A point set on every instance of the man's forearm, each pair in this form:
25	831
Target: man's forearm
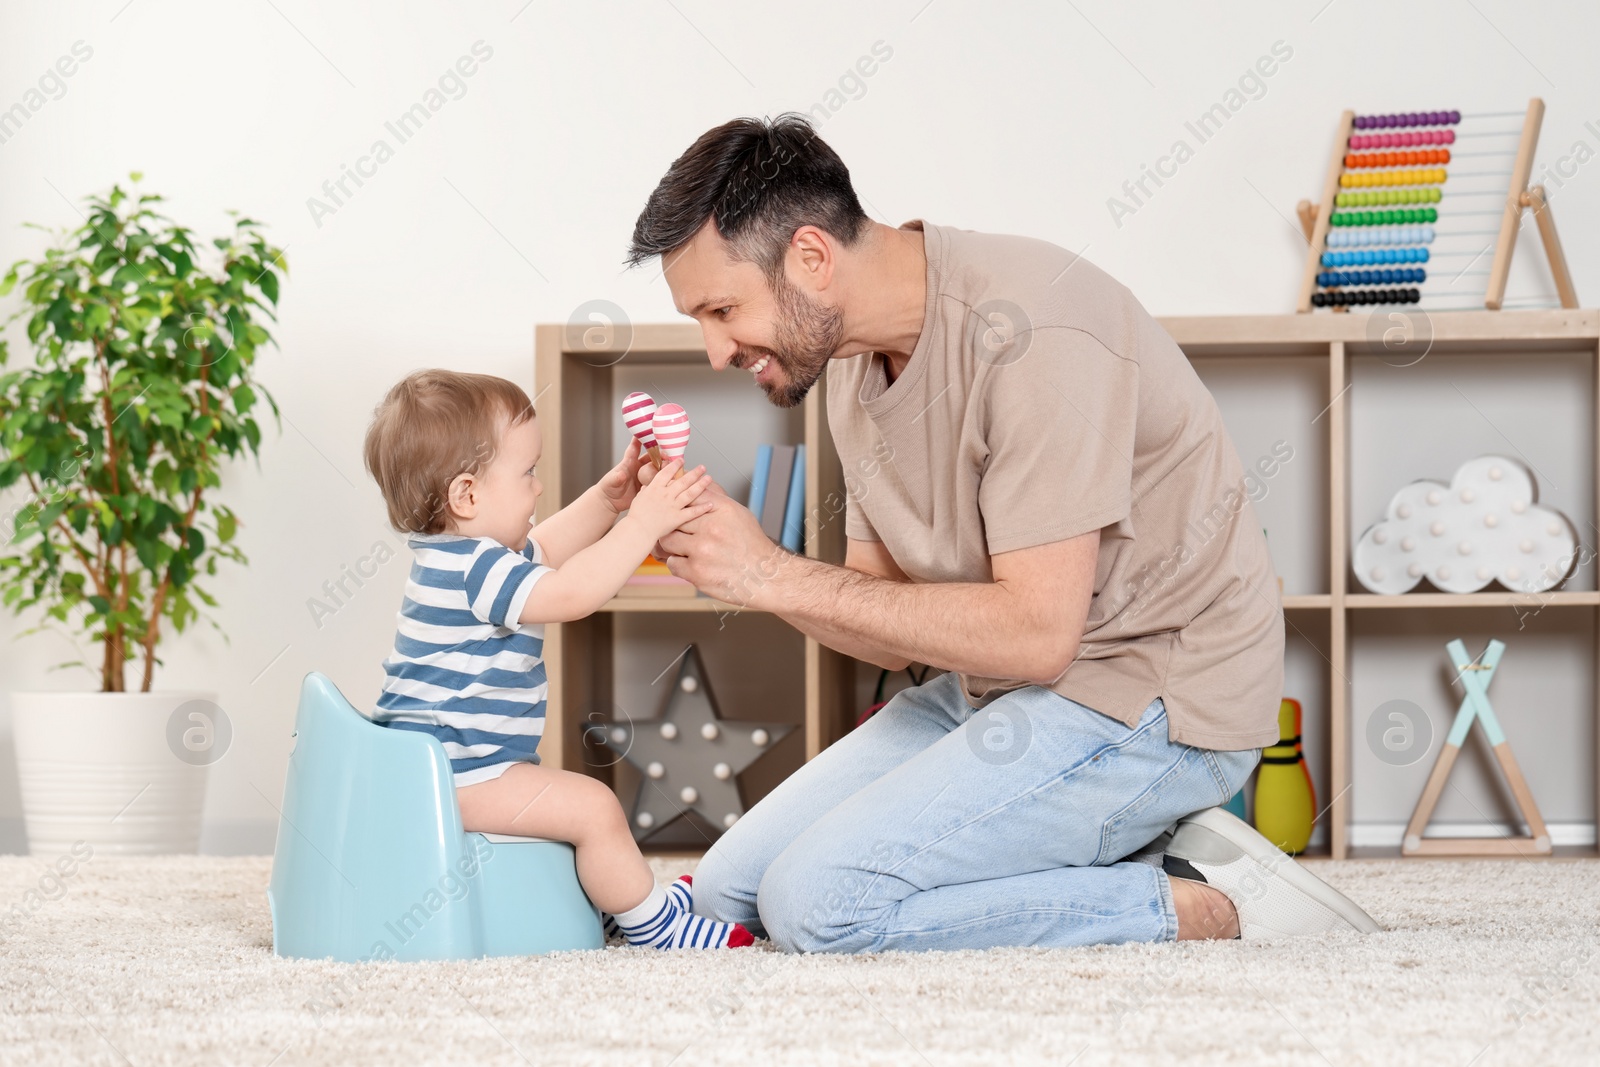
840	641
971	627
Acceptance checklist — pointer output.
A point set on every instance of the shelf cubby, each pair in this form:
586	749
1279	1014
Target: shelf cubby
580	377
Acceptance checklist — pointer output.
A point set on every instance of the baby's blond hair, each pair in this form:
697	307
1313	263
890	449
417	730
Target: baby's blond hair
432	426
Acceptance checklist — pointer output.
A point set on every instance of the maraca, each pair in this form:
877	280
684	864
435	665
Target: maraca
638	411
671	427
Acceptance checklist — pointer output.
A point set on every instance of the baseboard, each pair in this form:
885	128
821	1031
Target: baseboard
239	837
218	837
1390	834
258	837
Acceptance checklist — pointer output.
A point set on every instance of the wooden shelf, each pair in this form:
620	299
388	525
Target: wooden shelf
1501	599
671	603
1280	336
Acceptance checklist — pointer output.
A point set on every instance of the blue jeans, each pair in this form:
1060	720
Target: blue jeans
937	826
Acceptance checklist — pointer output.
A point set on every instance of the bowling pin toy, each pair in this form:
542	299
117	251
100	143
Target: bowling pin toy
638	413
671	428
1286	802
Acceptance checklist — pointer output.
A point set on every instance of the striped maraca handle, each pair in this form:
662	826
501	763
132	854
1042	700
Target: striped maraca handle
671	426
638	412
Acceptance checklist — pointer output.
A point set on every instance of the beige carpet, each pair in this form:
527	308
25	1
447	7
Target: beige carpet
168	961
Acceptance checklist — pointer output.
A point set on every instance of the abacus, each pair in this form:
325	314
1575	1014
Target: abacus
1398	219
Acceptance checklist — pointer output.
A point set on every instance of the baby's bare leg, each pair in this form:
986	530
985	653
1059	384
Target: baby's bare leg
536	801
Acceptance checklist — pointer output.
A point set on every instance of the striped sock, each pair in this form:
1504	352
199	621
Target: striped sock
659	922
679	892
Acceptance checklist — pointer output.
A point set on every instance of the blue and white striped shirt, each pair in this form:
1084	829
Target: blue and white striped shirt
463	669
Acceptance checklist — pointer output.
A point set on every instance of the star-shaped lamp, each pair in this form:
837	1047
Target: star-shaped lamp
689	756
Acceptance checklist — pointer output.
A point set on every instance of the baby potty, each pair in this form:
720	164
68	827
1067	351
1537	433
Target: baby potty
372	863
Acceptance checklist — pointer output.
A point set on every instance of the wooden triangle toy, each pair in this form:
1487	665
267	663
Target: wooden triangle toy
1475	707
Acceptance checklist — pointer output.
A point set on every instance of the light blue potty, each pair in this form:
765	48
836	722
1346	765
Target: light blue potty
372	863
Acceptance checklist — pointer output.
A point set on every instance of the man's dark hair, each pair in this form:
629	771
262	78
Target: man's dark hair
761	179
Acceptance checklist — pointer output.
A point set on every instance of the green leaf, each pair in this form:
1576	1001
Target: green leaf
126	274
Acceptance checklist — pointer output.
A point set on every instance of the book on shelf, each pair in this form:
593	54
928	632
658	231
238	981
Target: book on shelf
758	480
794	514
778	493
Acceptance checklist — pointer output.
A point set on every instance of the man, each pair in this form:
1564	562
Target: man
1044	503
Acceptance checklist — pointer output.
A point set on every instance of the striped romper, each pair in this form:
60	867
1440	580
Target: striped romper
463	669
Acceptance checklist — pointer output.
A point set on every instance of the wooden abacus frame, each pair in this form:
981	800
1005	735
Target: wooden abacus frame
1315	219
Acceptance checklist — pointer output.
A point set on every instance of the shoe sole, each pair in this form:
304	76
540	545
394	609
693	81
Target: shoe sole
1241	834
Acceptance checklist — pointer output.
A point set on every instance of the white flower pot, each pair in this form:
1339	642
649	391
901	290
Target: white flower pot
105	768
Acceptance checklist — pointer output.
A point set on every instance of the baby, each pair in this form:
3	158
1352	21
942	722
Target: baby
454	455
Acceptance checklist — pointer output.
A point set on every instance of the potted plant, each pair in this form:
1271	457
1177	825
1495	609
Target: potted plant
111	443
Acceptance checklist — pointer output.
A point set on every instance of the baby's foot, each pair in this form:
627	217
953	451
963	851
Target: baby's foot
660	922
679	892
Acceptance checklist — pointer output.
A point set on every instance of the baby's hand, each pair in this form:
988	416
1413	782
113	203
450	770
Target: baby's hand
620	484
669	501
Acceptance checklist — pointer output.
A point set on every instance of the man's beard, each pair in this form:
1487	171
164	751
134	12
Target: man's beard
805	336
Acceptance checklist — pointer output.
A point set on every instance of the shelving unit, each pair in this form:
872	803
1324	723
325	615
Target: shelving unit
1339	339
577	406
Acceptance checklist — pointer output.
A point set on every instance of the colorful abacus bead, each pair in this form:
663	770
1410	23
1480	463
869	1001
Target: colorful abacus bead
1388	196
1374	257
1360	297
1381	235
1425	176
1388	276
1410	118
1360	160
1402	140
1384	218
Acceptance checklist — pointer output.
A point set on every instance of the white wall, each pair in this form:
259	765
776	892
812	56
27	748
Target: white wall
514	204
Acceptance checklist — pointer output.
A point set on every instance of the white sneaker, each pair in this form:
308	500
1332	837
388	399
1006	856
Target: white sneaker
1274	895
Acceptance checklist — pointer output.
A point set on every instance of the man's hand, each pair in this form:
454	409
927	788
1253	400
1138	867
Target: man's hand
733	531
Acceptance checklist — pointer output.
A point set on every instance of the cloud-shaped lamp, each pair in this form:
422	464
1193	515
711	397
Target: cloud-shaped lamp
1484	526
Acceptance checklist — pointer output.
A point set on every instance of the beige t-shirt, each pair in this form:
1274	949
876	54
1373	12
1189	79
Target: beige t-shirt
1043	402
